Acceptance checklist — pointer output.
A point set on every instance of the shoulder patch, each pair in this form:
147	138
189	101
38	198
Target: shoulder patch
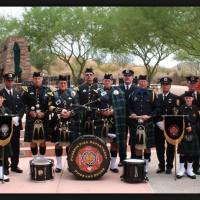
25	88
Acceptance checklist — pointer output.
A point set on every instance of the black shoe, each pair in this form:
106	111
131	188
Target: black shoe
114	170
192	177
168	171
16	169
5	180
160	170
178	176
120	164
57	170
6	171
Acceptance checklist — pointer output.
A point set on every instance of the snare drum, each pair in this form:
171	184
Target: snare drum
134	170
42	169
88	157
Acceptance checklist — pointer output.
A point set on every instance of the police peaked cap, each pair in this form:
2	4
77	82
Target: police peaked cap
192	79
108	76
37	74
9	76
166	80
62	78
128	72
188	94
89	70
142	77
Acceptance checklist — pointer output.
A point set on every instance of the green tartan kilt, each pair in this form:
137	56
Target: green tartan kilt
7	150
29	125
149	130
190	148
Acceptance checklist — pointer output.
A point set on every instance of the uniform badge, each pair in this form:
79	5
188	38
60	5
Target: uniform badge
103	93
73	93
69	98
116	92
32	93
58	102
84	90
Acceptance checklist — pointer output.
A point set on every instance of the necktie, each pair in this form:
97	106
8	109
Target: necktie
127	87
164	97
10	93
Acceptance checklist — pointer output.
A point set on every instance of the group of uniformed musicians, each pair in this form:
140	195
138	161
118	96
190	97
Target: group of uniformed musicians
107	111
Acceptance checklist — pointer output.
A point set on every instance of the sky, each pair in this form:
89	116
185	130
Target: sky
18	11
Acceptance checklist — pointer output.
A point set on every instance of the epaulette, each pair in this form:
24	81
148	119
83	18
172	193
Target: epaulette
76	89
50	93
52	89
25	88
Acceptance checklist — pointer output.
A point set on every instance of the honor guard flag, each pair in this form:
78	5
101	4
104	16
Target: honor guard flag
174	127
6	128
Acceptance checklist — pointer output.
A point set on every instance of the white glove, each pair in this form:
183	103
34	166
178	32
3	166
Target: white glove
16	121
112	135
160	125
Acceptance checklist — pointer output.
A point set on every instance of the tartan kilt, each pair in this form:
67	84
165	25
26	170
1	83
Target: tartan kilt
28	135
190	148
149	130
7	150
74	132
99	131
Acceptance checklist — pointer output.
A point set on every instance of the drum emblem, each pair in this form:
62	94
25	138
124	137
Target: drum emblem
173	130
89	159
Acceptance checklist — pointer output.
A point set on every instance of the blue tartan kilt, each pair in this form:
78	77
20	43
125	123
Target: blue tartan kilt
29	125
149	130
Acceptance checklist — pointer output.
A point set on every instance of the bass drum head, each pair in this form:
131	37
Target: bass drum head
88	158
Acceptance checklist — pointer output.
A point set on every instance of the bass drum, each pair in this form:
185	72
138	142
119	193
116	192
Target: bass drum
88	158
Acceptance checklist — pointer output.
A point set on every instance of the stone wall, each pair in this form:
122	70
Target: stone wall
7	57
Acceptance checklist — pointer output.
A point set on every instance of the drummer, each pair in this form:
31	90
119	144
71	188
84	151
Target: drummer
112	108
61	105
142	105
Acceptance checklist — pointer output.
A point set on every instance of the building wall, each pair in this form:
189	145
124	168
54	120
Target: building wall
7	57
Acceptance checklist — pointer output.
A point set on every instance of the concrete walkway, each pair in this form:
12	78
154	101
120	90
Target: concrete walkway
109	183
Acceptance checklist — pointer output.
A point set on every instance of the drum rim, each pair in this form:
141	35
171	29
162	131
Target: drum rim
134	161
35	162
